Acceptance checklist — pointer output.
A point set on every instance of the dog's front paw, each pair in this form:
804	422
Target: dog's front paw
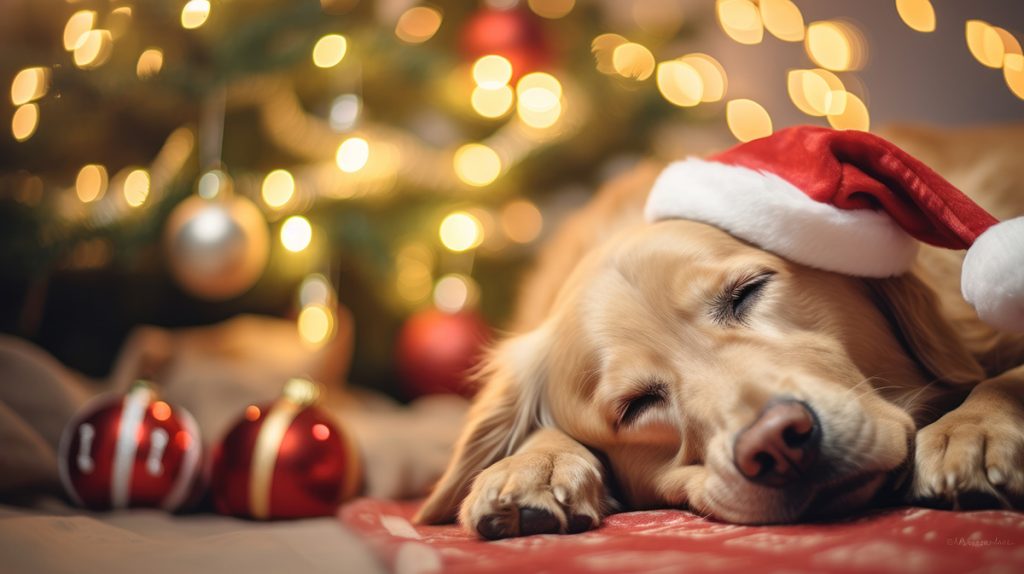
969	461
535	493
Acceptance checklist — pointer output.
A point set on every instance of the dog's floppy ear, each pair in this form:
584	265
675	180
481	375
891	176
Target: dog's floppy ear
503	415
913	309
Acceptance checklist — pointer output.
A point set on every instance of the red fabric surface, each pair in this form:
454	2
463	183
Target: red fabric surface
857	170
900	540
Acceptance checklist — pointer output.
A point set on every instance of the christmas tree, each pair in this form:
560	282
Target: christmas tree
179	162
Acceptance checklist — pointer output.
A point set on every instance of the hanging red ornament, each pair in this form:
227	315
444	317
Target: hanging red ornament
437	351
131	450
287	459
518	35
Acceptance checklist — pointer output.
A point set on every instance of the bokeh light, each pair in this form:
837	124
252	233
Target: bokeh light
29	85
296	233
919	15
492	103
160	410
834	45
712	75
853	117
455	292
213	183
315	289
25	121
150	63
136	187
352	155
345	110
252	413
417	25
460	231
551	9
93	50
740	20
492	72
77	26
521	221
316	324
783	19
603	47
539	99
1013	73
680	83
278	188
329	50
194	14
634	61
816	92
747	120
91	183
477	164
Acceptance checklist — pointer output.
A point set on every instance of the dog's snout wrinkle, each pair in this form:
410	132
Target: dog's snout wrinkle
780	446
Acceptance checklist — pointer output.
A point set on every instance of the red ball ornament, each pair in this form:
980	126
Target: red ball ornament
287	459
131	450
518	35
437	351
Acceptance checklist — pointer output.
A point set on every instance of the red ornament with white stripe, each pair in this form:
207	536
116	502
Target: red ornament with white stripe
130	450
288	459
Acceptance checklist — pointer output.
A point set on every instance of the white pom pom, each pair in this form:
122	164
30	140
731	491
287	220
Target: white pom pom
993	275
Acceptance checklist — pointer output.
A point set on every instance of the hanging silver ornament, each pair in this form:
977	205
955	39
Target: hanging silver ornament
218	247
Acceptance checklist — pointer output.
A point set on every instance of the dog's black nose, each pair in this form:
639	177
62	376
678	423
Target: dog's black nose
780	445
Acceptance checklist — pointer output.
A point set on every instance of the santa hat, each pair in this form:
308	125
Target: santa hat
849	202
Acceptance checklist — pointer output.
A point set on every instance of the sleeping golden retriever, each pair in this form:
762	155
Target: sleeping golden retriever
670	364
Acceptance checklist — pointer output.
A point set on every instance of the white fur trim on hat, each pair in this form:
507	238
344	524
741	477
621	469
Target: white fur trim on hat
770	212
992	279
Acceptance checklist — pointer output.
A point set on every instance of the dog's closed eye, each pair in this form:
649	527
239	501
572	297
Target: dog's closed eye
737	300
631	409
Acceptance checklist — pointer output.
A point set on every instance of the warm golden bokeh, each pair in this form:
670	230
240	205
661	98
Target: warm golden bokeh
94	49
29	85
747	120
741	20
150	63
680	83
91	183
460	231
296	233
919	15
136	187
278	188
551	9
634	61
77	26
194	14
853	117
492	103
836	46
783	19
417	25
476	164
25	121
352	155
329	50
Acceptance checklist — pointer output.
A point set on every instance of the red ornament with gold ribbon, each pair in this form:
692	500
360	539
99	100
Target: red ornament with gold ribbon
288	459
131	450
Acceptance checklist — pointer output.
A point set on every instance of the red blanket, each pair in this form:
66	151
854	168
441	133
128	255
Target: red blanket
902	540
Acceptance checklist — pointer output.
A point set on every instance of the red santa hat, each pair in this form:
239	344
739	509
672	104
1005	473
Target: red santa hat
849	202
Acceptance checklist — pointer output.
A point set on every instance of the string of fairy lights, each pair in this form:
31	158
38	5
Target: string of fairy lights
347	156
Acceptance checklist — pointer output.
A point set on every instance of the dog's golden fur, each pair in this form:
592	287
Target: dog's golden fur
901	373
